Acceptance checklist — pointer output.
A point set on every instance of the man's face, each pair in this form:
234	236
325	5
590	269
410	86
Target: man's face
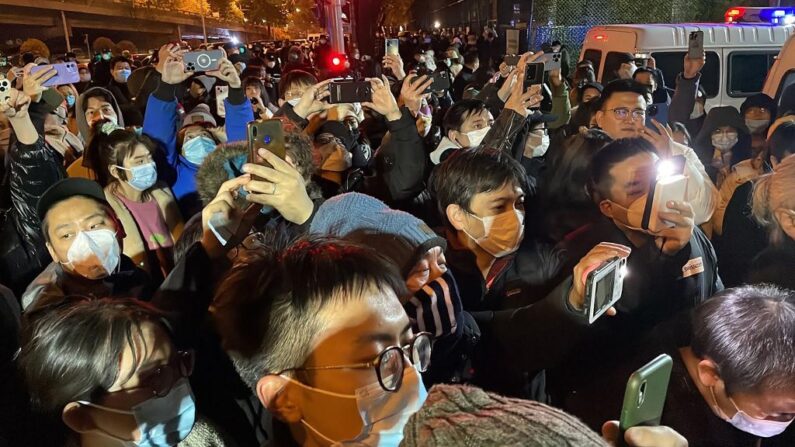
491	203
472	122
757	113
97	108
772	406
295	91
121	66
68	218
647	79
623	115
356	330
630	181
589	94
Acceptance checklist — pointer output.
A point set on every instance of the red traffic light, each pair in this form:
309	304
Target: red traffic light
338	61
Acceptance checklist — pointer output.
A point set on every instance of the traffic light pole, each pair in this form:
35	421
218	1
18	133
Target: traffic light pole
334	25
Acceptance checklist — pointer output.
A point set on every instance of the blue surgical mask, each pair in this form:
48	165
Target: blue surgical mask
197	149
142	177
121	76
162	421
70	100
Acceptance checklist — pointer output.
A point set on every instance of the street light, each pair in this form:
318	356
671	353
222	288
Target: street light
297	9
437	25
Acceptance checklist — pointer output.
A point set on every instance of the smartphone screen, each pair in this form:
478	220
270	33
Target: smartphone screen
392	46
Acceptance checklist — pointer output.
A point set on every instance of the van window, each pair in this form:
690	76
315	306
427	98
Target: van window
747	72
594	56
672	63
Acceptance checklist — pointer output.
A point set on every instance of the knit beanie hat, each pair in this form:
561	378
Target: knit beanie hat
461	415
358	217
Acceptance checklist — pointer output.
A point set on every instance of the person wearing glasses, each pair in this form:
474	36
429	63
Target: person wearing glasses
110	369
621	113
318	331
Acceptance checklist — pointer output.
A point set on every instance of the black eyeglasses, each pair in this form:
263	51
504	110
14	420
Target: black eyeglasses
390	364
162	379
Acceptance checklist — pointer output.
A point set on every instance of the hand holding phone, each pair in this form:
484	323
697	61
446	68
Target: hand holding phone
348	92
606	251
66	73
268	135
644	397
603	287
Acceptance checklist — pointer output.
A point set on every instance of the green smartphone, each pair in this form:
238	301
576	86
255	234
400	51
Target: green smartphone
644	397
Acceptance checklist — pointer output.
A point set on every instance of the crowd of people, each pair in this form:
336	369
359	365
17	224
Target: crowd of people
412	272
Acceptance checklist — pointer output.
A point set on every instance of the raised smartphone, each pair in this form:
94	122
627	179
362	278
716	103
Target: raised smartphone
645	394
603	287
269	135
551	61
695	45
349	92
67	73
203	60
670	185
511	60
534	74
5	90
392	46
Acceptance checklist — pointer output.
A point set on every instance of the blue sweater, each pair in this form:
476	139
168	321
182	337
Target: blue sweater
162	123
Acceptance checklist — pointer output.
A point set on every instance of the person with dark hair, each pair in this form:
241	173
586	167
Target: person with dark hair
680	134
729	385
146	209
84	238
622	114
255	92
112	373
318	332
624	68
186	144
93	105
759	111
669	271
506	280
465	124
466	75
32	167
120	70
563	196
689	99
295	60
723	142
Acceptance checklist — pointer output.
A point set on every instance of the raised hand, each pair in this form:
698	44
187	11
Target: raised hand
227	72
383	101
222	211
312	99
33	83
599	254
662	140
174	70
282	187
693	66
395	63
16	107
413	90
672	240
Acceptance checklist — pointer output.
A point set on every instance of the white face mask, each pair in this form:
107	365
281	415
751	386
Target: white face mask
757	427
698	111
724	142
294	102
476	136
93	249
384	414
757	126
536	146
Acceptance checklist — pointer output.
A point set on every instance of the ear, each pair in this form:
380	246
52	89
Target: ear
451	134
114	172
281	102
606	207
277	397
53	255
708	373
78	418
598	117
786	219
455	214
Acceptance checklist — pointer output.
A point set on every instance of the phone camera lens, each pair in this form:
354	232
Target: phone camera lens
267	139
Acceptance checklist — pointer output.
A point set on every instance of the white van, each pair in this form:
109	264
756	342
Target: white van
738	55
782	73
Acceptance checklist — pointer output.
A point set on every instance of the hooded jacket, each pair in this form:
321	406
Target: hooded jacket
719	117
80	112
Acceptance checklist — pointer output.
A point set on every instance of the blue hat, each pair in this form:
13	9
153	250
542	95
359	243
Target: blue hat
361	218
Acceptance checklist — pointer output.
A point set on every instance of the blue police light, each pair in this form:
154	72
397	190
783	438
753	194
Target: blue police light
778	16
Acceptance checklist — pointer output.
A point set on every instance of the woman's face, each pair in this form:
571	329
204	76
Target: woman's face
141	368
431	266
195	132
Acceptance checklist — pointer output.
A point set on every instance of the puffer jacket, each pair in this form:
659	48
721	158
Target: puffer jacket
23	254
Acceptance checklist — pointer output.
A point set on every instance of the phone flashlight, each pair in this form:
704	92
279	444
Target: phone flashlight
665	169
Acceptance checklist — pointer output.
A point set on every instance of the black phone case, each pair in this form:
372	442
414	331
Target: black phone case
348	92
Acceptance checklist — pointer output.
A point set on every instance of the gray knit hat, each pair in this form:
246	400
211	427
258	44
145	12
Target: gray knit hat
358	217
461	415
